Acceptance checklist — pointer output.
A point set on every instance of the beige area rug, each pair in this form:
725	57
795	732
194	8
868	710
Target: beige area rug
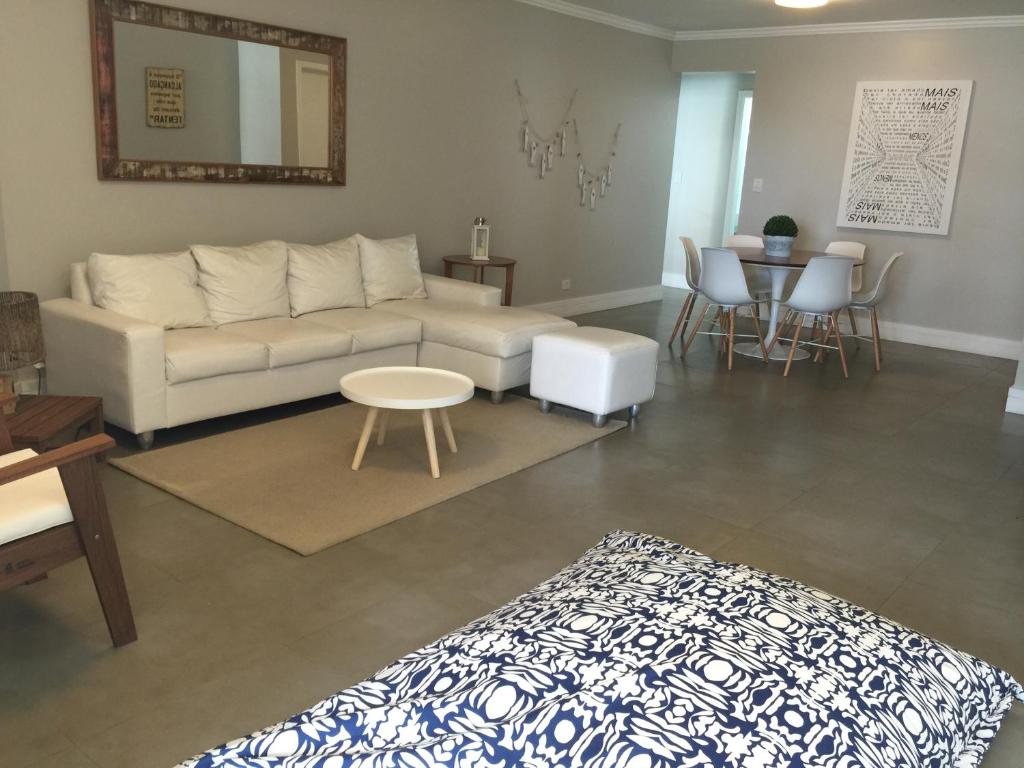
291	480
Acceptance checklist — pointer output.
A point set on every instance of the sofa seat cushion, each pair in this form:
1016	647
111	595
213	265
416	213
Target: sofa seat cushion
496	331
199	353
33	504
292	342
370	329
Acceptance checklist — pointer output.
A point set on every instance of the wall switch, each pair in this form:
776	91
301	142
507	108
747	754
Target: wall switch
758	185
567	285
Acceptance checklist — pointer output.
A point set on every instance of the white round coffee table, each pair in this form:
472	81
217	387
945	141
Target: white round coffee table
407	388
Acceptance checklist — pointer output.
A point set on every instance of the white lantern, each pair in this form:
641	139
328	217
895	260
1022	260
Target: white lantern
481	243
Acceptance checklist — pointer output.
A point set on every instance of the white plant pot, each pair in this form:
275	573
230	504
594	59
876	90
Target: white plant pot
776	245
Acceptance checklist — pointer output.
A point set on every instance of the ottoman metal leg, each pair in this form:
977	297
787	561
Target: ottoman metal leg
545	406
634	411
600	419
497	397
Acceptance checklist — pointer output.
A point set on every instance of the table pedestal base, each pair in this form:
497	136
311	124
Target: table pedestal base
777	355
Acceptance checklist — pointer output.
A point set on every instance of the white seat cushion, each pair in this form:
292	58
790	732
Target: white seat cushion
160	288
370	329
496	331
247	283
324	276
291	342
33	504
199	353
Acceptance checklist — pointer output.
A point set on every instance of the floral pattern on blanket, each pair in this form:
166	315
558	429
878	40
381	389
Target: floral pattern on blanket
646	654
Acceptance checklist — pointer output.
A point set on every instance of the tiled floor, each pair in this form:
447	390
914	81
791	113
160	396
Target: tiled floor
903	492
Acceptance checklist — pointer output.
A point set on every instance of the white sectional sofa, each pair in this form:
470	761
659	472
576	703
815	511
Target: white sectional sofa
153	377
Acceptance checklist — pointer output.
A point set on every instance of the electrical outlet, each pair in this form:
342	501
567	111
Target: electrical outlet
567	285
759	185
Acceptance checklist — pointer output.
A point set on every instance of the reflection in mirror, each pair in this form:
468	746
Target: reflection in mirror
187	97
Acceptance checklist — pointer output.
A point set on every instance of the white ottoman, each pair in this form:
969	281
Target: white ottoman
598	370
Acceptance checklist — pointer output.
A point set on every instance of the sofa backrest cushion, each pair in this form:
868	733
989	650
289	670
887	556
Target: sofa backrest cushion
324	277
245	283
391	269
160	288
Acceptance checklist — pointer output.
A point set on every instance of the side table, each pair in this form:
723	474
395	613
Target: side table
509	265
44	422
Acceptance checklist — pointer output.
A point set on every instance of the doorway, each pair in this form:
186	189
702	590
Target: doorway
712	135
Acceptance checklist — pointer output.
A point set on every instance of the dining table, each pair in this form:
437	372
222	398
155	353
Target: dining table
779	269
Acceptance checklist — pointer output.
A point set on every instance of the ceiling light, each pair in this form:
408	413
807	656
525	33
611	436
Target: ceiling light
801	3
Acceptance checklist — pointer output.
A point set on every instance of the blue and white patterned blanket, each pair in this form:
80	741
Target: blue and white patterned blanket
646	654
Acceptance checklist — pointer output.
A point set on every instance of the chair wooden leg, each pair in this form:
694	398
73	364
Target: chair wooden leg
686	320
853	324
839	343
876	339
796	340
757	329
732	333
89	509
679	320
693	333
780	330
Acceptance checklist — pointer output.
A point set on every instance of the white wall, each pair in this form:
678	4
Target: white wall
963	290
705	127
433	130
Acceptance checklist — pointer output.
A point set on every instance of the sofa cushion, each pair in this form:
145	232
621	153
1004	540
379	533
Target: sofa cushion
324	276
291	342
199	353
160	288
370	330
391	269
247	283
496	331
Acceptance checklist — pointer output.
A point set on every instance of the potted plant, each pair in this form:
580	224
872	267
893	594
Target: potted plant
779	234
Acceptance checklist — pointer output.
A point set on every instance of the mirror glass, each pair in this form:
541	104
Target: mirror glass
188	97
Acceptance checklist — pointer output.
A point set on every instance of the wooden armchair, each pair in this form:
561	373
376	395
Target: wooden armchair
52	510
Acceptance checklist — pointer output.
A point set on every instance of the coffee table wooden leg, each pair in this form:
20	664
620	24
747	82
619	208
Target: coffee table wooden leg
382	430
371	418
428	432
449	435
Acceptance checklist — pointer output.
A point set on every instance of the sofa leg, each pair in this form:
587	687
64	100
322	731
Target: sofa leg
545	406
497	397
600	419
145	440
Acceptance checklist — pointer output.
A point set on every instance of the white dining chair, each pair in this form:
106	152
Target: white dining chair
856	252
822	292
758	279
869	301
692	283
723	284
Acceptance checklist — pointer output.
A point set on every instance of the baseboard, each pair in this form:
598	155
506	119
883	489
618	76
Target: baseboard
989	346
582	305
1015	400
673	279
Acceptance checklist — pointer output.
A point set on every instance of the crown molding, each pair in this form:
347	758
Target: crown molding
652	30
601	17
900	25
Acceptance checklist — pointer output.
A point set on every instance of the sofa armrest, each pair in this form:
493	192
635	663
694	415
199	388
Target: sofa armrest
93	351
461	291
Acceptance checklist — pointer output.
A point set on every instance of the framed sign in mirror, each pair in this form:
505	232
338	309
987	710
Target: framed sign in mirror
188	96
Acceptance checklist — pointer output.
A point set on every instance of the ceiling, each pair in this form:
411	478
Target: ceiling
694	15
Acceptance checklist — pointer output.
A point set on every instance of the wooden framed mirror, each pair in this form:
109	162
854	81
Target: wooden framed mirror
188	96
